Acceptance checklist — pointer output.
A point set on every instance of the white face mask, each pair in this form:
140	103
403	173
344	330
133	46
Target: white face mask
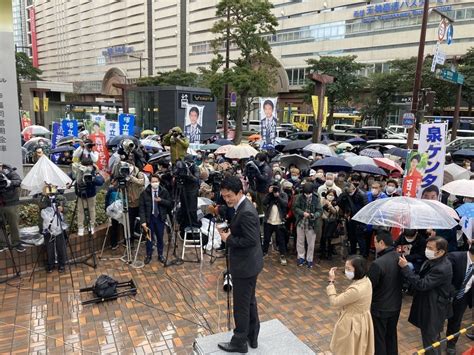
308	195
294	178
375	192
430	254
410	240
330	198
155	185
390	189
329	182
277	177
349	274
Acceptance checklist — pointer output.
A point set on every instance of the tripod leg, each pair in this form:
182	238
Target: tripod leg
105	239
10	250
37	260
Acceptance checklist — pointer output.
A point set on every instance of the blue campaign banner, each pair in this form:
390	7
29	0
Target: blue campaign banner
70	127
126	124
57	135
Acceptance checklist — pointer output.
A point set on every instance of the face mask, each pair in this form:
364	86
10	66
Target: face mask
349	274
410	240
430	254
239	172
308	195
329	182
277	177
199	157
330	198
294	178
374	192
155	185
391	189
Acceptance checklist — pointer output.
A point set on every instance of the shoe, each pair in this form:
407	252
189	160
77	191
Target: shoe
233	348
283	260
61	269
2	249
147	259
161	259
49	270
20	248
300	262
253	343
309	264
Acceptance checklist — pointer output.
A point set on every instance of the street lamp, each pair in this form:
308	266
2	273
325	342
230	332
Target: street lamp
141	57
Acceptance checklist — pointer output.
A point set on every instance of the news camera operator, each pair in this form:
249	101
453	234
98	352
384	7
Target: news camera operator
88	179
259	174
177	142
10	183
85	153
275	203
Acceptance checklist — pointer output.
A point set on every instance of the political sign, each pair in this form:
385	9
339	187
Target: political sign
70	127
126	124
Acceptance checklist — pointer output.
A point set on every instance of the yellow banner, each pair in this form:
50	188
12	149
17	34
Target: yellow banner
315	100
325	111
45	104
36	104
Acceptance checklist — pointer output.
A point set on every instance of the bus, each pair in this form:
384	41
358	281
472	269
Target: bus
304	122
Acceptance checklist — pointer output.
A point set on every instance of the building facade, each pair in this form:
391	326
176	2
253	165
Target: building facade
89	42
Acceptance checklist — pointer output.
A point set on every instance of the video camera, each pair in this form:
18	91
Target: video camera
3	181
275	187
215	180
85	177
181	169
123	172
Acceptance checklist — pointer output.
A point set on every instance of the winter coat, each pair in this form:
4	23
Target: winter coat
281	201
10	195
300	206
179	147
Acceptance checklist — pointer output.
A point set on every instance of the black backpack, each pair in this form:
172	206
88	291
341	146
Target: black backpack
105	287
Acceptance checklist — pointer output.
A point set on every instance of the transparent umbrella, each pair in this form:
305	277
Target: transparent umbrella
405	212
460	188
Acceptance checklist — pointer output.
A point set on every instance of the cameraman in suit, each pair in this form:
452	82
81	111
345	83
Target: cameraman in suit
245	263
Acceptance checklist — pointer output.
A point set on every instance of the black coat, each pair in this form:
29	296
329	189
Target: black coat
146	204
458	261
386	278
417	250
10	195
245	250
350	205
433	291
281	201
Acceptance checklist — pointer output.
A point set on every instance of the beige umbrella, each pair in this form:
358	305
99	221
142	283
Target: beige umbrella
223	149
241	151
454	172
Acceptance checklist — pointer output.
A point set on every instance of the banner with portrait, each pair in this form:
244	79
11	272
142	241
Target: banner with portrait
193	122
98	137
268	119
415	168
25	122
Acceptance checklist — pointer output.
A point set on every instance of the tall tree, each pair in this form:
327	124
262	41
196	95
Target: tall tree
253	72
25	71
175	77
346	81
467	69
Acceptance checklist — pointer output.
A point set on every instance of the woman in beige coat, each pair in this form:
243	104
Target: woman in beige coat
353	332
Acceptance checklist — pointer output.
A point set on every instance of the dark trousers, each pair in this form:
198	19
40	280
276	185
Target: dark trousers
133	213
329	229
10	217
157	228
385	334
55	245
188	210
454	323
280	231
247	324
429	337
114	232
356	236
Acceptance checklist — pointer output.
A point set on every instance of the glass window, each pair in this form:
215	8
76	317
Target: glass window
460	14
300	77
289	72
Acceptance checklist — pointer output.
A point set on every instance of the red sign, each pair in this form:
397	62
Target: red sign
34	45
101	148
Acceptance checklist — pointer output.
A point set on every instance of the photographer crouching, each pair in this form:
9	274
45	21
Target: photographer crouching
177	142
259	175
10	183
275	211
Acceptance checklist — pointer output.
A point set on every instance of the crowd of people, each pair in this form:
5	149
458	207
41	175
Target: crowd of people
308	210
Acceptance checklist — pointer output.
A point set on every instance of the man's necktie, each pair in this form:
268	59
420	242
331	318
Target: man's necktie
156	210
464	283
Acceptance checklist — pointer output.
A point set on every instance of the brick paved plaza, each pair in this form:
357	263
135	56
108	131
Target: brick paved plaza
295	296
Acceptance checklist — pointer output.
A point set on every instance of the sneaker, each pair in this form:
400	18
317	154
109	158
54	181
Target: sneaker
161	259
309	264
147	259
49	270
20	248
283	260
61	269
2	249
300	262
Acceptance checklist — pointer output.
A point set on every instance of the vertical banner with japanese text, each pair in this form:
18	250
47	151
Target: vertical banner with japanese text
70	127
433	142
98	137
57	135
10	138
111	129
415	168
126	124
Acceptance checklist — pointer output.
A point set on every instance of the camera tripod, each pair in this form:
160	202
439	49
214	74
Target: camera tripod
87	224
3	231
123	195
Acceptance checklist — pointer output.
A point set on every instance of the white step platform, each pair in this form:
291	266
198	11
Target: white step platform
274	339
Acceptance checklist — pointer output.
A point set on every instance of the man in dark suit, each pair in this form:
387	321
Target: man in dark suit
193	130
432	300
463	269
245	263
386	279
154	205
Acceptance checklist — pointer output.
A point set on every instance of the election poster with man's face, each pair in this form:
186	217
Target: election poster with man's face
268	119
193	122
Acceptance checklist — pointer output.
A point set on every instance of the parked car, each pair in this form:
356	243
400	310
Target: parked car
460	143
300	136
341	127
397	131
288	126
461	133
371	132
401	143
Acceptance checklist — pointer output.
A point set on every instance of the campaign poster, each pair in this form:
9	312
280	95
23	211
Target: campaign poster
268	119
193	123
25	122
432	142
111	129
55	138
95	120
415	168
70	127
126	124
97	136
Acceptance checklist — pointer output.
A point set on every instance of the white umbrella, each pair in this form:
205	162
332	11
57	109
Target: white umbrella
360	160
405	212
35	129
42	173
318	148
223	149
460	188
346	155
344	146
40	141
241	151
204	202
150	143
191	151
454	172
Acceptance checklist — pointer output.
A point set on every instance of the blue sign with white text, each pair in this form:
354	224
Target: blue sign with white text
126	124
70	127
450	34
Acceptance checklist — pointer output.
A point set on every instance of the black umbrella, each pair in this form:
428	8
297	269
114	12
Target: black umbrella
332	164
155	157
69	140
112	142
369	169
296	145
64	148
398	152
223	142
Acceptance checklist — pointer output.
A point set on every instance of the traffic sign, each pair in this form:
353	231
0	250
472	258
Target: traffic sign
450	76
408	120
442	27
233	99
450	34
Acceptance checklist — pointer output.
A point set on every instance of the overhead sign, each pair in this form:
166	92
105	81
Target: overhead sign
450	75
408	120
233	99
442	28
450	34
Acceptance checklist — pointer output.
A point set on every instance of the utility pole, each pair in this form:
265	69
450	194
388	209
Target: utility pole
140	58
320	81
419	67
226	87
